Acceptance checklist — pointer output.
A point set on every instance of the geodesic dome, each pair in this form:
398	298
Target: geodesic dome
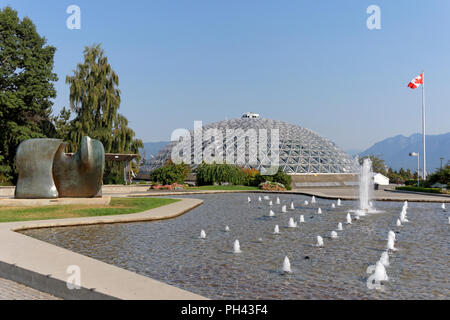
300	151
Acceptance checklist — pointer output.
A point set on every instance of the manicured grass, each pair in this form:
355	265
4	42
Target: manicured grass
117	206
229	187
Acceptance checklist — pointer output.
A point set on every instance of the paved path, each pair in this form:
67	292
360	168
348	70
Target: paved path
381	195
350	193
10	290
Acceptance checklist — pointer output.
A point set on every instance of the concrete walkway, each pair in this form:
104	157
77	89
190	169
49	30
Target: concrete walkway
327	193
386	194
47	268
10	290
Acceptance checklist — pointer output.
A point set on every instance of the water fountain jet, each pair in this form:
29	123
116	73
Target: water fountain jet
276	230
319	241
385	259
236	247
286	268
292	223
380	273
349	218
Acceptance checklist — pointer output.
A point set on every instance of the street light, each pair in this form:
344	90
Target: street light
416	154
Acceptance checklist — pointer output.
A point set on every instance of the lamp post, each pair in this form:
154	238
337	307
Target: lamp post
416	154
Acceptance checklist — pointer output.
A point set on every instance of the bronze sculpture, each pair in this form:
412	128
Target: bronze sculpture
34	161
46	171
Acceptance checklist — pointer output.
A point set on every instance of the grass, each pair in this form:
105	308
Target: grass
228	187
117	206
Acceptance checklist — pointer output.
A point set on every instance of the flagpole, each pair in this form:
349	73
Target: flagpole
424	157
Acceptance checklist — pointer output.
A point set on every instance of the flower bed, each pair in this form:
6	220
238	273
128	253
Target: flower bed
173	186
272	186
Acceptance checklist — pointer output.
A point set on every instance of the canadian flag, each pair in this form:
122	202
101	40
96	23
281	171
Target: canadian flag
416	82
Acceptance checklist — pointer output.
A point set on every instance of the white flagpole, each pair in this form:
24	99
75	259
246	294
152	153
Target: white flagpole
424	157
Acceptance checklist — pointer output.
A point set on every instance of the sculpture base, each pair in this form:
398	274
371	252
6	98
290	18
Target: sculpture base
11	202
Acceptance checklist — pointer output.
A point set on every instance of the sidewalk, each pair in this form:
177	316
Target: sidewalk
10	290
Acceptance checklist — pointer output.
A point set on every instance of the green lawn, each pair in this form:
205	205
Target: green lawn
117	206
229	187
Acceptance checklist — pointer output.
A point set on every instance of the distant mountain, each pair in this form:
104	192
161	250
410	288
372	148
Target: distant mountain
152	148
395	151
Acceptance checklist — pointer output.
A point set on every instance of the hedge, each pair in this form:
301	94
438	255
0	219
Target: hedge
420	189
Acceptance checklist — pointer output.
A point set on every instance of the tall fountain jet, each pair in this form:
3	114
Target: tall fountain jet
236	247
365	187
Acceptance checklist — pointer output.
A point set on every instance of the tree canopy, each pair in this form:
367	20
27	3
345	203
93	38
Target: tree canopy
26	87
95	101
378	164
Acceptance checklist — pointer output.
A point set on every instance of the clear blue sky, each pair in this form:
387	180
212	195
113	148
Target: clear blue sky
312	63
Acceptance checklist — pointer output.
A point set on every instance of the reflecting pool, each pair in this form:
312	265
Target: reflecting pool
173	252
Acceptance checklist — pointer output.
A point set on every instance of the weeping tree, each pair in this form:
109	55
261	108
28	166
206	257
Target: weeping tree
95	101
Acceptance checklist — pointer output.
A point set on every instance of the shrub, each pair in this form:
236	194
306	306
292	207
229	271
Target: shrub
411	182
419	189
280	177
170	173
252	177
210	174
440	176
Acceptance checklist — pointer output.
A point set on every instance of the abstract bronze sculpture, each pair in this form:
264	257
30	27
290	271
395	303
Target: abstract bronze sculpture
46	171
34	161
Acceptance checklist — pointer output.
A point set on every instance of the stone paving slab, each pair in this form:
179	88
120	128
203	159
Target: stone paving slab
10	290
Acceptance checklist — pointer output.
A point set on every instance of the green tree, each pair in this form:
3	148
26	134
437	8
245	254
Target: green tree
171	173
95	101
378	164
440	176
26	87
62	124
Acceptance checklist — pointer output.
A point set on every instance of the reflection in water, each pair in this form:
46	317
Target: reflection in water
172	251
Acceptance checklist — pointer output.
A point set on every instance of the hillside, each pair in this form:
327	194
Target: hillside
395	151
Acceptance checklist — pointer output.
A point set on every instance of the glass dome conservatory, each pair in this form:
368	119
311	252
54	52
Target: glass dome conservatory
300	151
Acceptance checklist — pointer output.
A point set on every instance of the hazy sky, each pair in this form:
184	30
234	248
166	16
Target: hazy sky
311	63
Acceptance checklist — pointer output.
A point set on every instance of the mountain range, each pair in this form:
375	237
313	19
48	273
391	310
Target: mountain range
152	148
395	151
